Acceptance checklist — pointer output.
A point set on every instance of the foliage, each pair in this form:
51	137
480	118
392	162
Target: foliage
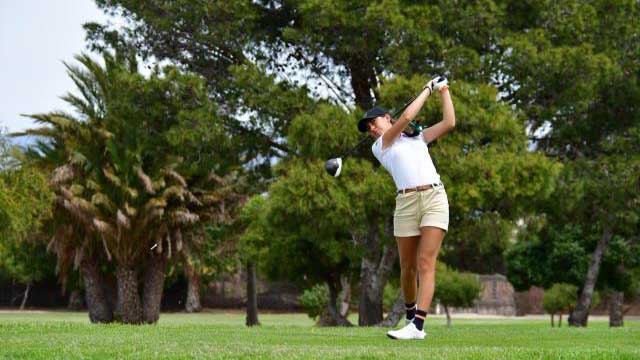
560	298
314	300
132	162
8	152
596	193
25	202
490	177
254	240
456	289
136	170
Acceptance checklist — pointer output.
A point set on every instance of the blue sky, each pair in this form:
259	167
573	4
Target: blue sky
35	37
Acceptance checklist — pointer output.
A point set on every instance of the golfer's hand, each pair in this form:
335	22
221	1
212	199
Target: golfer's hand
439	83
428	85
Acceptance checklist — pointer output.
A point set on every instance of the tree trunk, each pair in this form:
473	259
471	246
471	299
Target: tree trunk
371	292
331	316
252	296
25	296
552	322
375	266
153	286
193	288
345	299
446	311
396	313
616	314
129	304
580	313
94	292
362	81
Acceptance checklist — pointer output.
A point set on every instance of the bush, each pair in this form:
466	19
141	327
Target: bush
314	300
454	288
560	298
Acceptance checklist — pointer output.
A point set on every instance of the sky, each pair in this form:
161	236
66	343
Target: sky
35	37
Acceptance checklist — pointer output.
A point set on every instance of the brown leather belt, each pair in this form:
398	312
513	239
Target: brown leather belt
419	188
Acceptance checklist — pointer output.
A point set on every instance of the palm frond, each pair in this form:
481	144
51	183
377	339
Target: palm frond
111	176
173	175
176	192
104	228
183	217
62	174
100	199
131	211
177	237
123	220
146	181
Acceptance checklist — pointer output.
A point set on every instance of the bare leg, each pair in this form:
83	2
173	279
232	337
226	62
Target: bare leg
428	249
407	248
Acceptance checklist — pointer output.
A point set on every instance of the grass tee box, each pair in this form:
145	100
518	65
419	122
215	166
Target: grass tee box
62	335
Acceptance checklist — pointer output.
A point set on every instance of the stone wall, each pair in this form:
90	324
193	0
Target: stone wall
496	298
230	292
529	302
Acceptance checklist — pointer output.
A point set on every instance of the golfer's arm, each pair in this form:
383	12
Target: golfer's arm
447	123
407	115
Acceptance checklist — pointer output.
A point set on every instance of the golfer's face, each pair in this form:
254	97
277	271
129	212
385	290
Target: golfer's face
378	126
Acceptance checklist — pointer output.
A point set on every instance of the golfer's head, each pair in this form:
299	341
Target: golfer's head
375	121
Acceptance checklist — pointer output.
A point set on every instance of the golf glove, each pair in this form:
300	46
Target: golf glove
437	83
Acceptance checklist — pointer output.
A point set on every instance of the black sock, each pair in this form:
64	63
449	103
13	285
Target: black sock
410	308
418	321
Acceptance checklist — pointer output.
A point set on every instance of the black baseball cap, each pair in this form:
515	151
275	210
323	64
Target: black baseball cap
372	113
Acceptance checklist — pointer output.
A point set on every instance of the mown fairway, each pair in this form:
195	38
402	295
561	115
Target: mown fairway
286	336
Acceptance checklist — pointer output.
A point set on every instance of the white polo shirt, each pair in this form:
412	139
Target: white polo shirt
408	161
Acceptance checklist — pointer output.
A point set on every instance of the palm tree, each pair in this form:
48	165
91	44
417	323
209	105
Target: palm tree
127	186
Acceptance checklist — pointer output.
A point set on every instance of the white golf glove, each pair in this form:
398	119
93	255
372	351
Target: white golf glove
440	83
437	83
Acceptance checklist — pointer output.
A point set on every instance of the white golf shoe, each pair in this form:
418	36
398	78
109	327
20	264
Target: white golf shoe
409	332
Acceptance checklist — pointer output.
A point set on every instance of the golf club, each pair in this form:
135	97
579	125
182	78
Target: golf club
334	166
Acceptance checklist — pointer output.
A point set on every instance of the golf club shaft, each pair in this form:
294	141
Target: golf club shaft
364	138
399	111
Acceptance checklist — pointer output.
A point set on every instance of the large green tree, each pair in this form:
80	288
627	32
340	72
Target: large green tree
25	202
573	68
590	237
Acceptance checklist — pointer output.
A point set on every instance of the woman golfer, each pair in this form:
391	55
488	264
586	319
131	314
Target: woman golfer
421	216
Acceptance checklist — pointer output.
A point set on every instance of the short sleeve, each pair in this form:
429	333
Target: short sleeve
376	148
424	138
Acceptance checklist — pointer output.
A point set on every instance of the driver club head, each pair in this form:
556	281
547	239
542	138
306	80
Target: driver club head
333	166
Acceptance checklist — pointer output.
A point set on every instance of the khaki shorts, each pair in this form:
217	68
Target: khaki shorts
419	209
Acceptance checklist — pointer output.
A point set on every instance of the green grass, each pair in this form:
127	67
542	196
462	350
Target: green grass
285	336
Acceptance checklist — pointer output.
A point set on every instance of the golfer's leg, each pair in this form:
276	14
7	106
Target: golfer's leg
428	249
407	247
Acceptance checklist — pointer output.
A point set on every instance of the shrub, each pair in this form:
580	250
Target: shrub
454	288
559	299
314	300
